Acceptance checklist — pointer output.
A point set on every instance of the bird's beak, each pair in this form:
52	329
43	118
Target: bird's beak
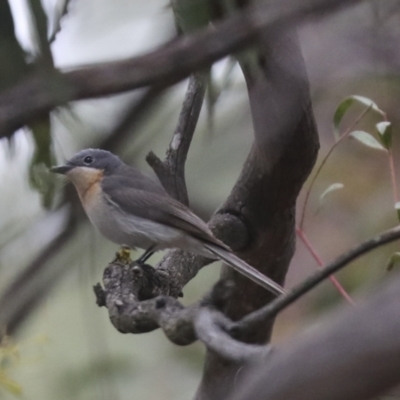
62	169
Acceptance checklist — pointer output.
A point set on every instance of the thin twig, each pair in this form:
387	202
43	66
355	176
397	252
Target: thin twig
325	159
393	176
171	171
57	23
273	308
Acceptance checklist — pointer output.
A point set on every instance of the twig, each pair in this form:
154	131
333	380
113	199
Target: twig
57	24
171	171
325	159
393	176
169	64
273	308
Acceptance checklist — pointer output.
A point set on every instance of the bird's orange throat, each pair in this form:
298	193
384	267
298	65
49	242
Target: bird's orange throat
87	182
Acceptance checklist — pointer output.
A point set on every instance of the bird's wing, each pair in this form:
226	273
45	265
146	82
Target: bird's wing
159	207
127	176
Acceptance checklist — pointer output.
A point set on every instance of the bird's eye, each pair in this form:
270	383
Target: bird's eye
88	160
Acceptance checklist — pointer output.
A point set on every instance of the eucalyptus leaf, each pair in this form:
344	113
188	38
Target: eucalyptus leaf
397	208
56	28
384	129
343	107
393	260
367	102
367	140
330	189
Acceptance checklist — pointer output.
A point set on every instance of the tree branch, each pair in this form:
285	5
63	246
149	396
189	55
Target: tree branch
207	325
352	355
165	66
171	171
272	309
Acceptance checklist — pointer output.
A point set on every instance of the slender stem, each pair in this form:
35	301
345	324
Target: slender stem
281	302
393	176
343	136
318	259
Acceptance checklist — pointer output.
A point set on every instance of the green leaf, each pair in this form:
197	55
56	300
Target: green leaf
367	102
192	15
343	107
43	158
9	384
397	208
385	133
393	260
367	140
330	189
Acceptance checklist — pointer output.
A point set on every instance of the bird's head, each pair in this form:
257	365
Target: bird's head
89	165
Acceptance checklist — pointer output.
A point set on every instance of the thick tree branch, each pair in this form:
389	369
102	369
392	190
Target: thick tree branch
283	153
207	325
354	355
165	66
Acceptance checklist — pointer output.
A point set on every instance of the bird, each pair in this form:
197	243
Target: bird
133	209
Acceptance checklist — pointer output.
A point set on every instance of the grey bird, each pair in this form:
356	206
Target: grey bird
133	209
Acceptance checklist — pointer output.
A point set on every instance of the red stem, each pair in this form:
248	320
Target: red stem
318	259
393	176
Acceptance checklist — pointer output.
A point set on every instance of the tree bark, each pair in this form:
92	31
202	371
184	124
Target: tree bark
350	355
283	154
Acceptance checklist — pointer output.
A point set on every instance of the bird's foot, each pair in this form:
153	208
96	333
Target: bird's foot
123	255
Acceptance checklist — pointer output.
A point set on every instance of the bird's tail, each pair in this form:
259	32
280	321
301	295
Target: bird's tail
245	269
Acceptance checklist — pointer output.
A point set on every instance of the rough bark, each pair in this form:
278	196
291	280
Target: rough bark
350	355
283	153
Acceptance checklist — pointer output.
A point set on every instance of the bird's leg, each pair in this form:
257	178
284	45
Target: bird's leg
123	255
146	255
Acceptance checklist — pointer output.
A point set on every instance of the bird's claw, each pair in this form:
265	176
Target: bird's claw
123	255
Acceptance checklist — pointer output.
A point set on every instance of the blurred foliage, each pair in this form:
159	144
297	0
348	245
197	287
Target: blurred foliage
13	65
42	159
14	355
9	358
351	61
